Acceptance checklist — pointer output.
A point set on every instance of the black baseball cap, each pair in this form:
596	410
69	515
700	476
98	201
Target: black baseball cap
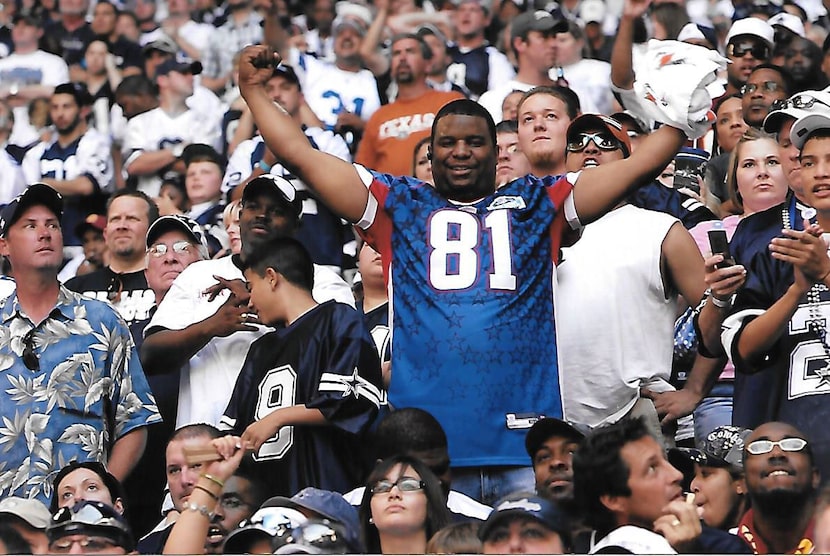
276	186
35	194
723	447
287	72
549	426
194	68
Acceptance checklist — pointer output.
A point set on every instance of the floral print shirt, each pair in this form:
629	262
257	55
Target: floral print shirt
87	390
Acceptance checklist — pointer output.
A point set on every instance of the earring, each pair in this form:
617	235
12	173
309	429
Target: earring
371	520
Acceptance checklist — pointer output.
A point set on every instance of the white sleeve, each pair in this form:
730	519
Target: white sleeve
501	70
329	286
95	159
56	72
333	144
492	101
12	181
31	163
239	165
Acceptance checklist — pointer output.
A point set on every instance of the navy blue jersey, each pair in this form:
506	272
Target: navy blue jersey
656	196
478	69
751	238
799	391
324	360
377	321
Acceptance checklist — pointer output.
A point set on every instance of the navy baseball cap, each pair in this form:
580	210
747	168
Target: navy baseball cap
194	68
35	194
548	426
276	186
91	518
328	504
525	504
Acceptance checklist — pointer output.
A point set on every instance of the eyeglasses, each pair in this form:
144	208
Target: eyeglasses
114	289
404	484
759	447
602	140
30	358
92	544
759	51
766	86
178	247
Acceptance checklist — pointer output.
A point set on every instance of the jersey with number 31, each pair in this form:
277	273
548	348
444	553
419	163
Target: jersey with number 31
473	331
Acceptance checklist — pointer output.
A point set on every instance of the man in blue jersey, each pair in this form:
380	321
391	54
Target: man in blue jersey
472	267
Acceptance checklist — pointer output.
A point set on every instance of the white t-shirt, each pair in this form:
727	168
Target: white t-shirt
21	70
207	381
12	182
591	81
636	540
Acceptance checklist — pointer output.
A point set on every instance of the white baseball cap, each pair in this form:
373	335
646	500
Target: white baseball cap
754	27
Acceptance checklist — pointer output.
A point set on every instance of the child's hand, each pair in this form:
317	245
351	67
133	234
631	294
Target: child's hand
260	432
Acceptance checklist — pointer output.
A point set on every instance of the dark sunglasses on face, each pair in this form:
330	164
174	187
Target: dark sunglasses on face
30	358
766	86
759	51
114	289
603	141
760	447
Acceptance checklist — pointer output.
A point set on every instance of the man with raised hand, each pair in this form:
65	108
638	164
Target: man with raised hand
471	266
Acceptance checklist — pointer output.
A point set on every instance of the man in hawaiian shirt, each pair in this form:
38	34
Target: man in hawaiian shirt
71	385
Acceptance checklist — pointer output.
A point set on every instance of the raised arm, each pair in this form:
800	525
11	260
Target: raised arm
335	181
599	189
622	70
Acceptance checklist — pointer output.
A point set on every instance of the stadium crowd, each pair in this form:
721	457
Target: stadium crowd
414	276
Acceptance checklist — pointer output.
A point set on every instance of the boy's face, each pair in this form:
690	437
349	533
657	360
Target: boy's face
263	302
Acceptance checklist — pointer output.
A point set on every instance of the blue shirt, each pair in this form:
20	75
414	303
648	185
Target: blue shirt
89	391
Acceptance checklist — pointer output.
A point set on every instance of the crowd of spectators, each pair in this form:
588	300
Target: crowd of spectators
414	276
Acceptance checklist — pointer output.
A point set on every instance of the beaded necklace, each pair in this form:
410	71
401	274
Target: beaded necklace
817	324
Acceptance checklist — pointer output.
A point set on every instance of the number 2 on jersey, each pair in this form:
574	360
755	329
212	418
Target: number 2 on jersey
455	239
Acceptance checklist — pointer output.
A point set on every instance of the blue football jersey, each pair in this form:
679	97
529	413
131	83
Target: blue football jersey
751	238
796	365
473	332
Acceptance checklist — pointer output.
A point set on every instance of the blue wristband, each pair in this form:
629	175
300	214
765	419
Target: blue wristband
263	166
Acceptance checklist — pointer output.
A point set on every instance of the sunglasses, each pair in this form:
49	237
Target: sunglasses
760	447
603	141
325	536
404	484
766	86
759	51
178	247
114	289
91	545
30	358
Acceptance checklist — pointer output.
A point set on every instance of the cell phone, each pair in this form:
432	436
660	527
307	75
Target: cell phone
689	165
720	246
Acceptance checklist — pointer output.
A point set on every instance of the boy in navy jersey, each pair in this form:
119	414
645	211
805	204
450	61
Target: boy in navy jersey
315	384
